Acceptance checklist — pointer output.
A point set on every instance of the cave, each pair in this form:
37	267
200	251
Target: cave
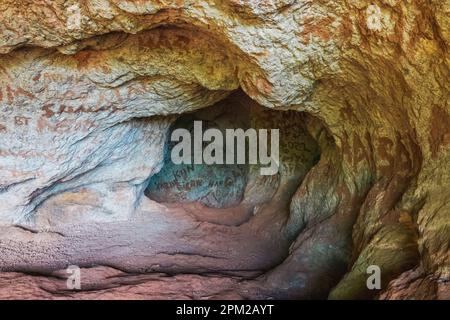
232	150
226	184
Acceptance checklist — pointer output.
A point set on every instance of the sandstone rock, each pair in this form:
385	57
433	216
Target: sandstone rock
90	89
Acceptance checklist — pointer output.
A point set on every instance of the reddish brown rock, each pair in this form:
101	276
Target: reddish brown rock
89	90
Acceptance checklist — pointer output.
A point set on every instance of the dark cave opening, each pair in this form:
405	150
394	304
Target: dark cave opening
227	185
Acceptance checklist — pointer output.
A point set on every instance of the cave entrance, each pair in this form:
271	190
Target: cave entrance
227	185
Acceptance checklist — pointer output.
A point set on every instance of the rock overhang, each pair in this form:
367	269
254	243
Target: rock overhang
370	76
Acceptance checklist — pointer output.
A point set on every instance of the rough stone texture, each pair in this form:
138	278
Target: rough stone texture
214	185
89	89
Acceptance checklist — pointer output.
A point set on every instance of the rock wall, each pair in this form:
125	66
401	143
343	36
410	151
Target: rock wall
89	90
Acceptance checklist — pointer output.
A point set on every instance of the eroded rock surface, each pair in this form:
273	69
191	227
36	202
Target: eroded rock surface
90	89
